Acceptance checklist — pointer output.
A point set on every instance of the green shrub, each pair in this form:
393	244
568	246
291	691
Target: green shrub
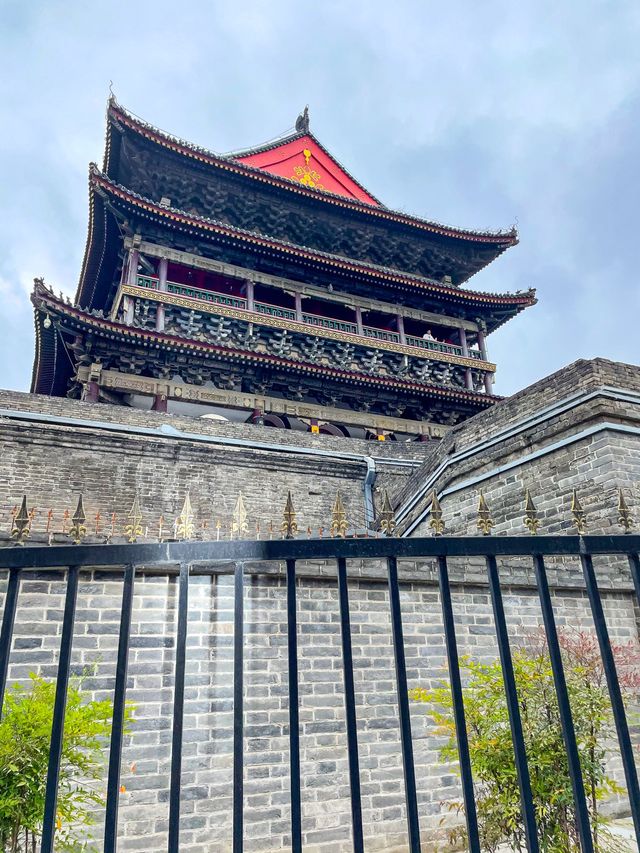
492	760
25	733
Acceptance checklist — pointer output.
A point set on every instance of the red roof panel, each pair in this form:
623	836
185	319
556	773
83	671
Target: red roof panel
302	159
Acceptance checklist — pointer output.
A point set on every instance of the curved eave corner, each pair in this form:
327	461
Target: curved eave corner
95	244
45	377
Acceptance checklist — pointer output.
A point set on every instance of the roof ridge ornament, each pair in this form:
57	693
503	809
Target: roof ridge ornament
302	122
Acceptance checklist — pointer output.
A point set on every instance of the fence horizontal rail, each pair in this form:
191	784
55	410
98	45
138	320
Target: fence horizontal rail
52	556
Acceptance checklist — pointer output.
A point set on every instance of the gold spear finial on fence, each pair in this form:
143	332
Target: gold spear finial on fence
239	524
184	523
338	518
624	513
78	529
21	525
133	527
485	522
579	515
387	517
531	519
289	525
435	516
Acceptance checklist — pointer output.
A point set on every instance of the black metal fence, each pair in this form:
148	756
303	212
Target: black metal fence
191	557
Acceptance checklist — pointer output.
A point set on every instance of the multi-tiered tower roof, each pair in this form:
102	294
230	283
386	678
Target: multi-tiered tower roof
268	284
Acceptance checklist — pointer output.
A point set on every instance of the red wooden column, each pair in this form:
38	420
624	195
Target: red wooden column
468	380
488	377
249	292
162	287
483	345
134	256
163	268
159	403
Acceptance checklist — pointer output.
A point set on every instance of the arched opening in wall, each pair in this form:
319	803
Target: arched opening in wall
355	432
332	429
282	422
297	425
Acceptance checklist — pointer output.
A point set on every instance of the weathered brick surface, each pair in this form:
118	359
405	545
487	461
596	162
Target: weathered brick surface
61	407
207	776
590	444
54	462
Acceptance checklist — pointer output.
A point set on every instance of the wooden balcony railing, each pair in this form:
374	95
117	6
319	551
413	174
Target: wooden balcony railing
329	323
436	346
274	310
381	334
151	283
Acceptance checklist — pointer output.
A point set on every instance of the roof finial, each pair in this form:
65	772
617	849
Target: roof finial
302	122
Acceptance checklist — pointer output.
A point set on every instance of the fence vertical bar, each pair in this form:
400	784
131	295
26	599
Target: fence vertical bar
564	707
8	619
178	710
59	707
413	825
238	708
350	708
634	565
615	694
117	728
462	739
515	721
294	713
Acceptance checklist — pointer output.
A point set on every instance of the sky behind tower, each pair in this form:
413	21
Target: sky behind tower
480	115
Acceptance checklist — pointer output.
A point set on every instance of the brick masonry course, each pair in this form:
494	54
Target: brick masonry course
207	767
54	462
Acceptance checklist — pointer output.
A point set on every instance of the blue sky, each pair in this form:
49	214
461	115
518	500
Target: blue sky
472	114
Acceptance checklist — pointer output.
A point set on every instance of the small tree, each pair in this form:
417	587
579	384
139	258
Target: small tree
25	733
491	749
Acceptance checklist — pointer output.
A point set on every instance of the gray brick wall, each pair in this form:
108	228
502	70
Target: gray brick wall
53	463
591	444
207	791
